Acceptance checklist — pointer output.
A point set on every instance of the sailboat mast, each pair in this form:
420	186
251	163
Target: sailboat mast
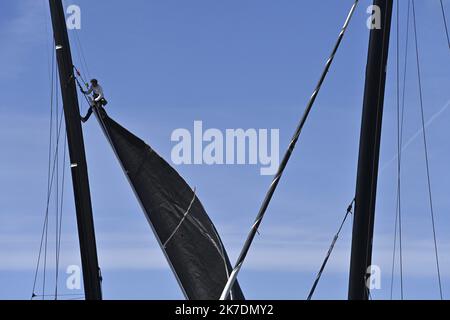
86	234
369	149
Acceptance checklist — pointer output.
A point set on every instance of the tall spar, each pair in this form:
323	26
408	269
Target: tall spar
80	180
369	149
284	162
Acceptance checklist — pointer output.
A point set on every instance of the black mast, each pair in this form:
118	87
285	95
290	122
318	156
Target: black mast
369	149
86	234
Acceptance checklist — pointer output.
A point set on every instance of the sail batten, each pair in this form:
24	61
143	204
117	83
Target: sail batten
182	227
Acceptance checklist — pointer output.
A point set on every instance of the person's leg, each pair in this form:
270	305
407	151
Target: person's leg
88	115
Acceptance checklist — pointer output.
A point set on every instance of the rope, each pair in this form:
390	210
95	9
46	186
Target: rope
285	161
330	250
426	151
48	172
50	43
61	295
400	123
81	87
53	178
59	227
445	23
181	221
57	188
45	253
81	54
399	150
79	74
52	163
47	210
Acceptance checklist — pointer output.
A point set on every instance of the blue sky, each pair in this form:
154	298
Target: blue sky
231	64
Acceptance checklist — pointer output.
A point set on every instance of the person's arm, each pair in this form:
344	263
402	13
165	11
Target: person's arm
89	90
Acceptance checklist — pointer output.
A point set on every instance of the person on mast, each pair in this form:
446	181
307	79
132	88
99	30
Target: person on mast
97	99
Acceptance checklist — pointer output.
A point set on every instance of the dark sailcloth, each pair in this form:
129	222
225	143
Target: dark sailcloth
186	234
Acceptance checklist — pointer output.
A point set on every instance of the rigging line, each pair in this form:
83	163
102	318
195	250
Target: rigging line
400	124
79	74
74	31
45	226
181	221
47	209
81	88
401	139
330	250
56	162
49	167
55	159
39	259
79	56
60	218
405	70
55	166
59	197
445	23
45	254
81	51
50	44
398	151
426	150
394	251
57	186
84	95
82	62
61	295
55	83
276	180
399	148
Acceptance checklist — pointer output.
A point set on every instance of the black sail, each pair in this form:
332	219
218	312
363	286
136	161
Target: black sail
186	234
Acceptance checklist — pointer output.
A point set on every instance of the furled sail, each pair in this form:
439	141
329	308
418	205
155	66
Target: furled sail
187	236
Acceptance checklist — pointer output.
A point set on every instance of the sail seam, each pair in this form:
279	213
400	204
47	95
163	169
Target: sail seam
181	222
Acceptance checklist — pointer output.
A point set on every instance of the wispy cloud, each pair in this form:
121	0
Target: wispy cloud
416	135
282	249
